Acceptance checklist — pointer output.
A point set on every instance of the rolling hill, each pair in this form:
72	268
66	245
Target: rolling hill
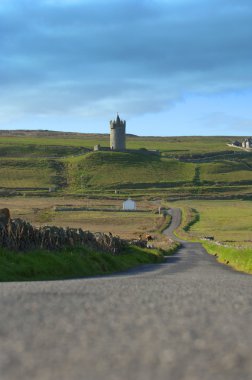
200	167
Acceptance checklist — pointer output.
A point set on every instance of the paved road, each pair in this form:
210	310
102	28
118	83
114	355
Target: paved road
190	318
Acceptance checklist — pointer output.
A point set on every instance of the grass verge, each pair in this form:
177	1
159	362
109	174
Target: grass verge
190	216
165	224
239	259
71	263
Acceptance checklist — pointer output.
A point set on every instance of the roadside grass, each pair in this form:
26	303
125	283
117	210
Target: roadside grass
229	222
189	216
167	219
71	263
239	259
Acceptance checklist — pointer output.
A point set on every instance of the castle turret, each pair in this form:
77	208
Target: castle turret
117	134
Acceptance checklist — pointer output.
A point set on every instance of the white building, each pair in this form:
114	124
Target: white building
129	205
247	143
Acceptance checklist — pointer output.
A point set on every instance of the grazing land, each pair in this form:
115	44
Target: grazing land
60	170
89	214
106	216
26	173
174	167
169	145
126	171
228	222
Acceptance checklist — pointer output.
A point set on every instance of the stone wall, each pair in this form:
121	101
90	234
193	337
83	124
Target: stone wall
19	235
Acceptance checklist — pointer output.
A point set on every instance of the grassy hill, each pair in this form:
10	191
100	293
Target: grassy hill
187	167
141	173
36	173
126	170
18	149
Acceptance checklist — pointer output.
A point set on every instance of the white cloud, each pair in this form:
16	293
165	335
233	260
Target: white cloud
90	57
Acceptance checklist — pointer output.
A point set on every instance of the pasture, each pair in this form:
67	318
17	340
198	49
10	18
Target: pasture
95	215
228	222
201	173
142	174
187	167
125	171
24	172
170	145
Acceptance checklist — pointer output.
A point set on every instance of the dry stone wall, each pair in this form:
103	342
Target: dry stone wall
19	235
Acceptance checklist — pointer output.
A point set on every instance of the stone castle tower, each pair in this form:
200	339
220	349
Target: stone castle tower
117	134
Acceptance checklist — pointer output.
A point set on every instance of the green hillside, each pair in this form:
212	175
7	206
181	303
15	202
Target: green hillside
16	173
198	167
142	172
37	150
126	170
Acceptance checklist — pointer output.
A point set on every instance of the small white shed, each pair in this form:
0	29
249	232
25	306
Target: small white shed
129	204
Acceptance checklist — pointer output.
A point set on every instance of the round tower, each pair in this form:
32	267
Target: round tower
117	134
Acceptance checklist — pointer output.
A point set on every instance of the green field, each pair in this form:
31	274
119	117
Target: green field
187	167
170	145
23	172
20	149
51	141
225	220
228	222
202	173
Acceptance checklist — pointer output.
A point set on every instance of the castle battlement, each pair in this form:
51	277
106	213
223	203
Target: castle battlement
117	123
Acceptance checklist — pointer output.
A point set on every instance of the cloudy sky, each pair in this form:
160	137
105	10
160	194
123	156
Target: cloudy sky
169	67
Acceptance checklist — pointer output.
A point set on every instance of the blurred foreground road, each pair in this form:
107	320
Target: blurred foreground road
189	318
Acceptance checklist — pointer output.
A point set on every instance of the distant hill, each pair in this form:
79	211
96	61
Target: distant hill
187	166
46	133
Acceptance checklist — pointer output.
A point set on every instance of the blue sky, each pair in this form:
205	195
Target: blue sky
169	67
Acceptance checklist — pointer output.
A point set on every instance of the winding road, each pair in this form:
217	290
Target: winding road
187	319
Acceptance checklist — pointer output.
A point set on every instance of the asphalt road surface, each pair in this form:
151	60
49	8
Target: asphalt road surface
189	318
